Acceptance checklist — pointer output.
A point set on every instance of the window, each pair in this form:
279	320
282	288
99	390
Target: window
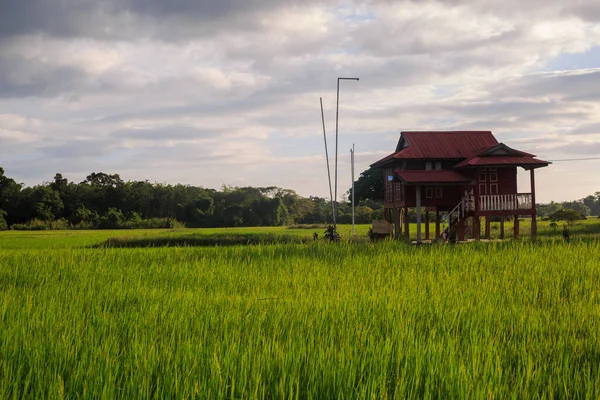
429	193
438	192
493	177
428	166
482	177
398	196
438	165
494	188
389	194
483	189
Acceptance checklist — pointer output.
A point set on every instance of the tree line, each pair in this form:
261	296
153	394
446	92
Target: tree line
106	201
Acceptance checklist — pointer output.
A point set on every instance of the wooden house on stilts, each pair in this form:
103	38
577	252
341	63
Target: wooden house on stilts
463	175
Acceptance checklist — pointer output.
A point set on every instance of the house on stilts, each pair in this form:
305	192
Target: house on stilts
460	176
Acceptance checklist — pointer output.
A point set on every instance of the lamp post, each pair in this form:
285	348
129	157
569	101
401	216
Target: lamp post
337	112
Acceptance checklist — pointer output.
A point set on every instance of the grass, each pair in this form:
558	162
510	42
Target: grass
516	319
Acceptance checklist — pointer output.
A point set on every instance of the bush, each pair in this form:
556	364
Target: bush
332	234
39	225
152	223
567	215
113	219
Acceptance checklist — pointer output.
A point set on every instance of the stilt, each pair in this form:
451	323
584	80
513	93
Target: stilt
488	234
406	224
418	201
502	227
516	226
397	224
460	229
426	225
533	211
476	228
437	223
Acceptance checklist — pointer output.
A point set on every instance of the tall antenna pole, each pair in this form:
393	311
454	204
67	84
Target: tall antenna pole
337	112
352	169
327	158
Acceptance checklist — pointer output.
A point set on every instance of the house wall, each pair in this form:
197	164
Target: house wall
450	196
495	180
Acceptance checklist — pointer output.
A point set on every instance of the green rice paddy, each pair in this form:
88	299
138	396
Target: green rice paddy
514	319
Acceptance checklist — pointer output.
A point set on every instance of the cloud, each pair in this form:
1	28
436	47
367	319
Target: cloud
207	92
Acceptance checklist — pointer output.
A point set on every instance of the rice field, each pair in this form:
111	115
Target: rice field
513	319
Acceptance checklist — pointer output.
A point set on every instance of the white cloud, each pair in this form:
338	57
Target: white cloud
219	92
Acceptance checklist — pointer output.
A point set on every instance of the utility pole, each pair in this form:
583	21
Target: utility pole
327	158
337	112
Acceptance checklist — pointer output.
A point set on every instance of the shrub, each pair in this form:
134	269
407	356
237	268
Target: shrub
113	219
566	233
332	234
567	215
39	225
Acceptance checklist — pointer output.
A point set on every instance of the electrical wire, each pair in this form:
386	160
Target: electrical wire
576	159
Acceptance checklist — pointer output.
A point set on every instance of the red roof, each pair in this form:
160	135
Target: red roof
432	176
473	147
438	145
502	155
522	161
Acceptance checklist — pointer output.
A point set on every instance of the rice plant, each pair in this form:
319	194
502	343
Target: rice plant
517	319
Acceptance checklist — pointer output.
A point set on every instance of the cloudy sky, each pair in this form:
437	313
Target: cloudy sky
211	92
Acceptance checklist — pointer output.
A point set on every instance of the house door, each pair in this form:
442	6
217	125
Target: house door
487	179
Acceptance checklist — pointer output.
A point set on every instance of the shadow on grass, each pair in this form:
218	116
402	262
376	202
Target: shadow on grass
204	240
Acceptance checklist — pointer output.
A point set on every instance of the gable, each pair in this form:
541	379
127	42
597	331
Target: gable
503	150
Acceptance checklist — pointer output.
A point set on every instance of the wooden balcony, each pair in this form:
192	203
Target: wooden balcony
506	202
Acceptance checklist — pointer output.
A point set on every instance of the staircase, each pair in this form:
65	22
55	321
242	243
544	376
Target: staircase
462	211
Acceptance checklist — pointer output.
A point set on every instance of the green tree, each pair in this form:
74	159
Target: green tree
3	224
47	202
363	215
10	192
369	186
113	219
593	203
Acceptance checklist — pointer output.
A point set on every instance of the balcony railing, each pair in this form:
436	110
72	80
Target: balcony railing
505	202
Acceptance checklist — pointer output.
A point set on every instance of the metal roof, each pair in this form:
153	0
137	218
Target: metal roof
473	147
439	145
434	176
523	161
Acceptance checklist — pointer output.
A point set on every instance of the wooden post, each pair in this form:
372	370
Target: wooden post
502	227
460	229
426	225
533	212
418	198
406	224
516	226
476	228
488	233
437	223
397	224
